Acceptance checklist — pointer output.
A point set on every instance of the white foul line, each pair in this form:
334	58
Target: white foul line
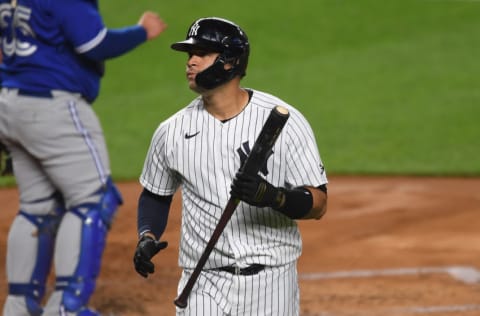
466	274
403	311
443	309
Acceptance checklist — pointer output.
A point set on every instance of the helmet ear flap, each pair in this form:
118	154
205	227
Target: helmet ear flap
233	50
233	46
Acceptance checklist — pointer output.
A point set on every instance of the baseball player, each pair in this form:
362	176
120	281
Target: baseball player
252	269
53	60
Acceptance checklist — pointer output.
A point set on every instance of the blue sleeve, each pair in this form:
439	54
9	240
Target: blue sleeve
80	22
153	213
117	42
93	39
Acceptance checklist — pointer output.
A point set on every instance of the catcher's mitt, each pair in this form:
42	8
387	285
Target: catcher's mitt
6	167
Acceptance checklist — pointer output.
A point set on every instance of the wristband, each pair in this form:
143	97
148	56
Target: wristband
296	203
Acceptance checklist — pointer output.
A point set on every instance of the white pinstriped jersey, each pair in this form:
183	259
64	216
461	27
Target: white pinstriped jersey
198	152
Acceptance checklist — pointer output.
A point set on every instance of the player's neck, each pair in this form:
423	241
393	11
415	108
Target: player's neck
226	102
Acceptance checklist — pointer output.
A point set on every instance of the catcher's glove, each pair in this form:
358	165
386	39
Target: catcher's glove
6	167
147	247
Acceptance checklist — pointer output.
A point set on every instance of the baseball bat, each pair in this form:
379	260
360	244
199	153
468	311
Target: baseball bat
255	160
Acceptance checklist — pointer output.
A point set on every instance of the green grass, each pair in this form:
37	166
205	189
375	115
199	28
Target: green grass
389	87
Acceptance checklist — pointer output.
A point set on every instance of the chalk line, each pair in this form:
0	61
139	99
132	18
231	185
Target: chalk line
465	274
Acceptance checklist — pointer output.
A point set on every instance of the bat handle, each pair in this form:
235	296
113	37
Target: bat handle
182	300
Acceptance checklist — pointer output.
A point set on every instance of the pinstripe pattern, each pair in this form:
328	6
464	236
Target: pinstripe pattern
273	291
205	164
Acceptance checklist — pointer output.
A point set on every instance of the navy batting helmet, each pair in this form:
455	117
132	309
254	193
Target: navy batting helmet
222	36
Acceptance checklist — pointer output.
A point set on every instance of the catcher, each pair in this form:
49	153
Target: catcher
52	65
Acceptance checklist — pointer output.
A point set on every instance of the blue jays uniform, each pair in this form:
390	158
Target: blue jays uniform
39	55
53	60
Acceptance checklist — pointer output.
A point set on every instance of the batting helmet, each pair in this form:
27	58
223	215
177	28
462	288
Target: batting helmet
222	36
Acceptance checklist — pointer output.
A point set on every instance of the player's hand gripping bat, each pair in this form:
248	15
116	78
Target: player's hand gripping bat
255	160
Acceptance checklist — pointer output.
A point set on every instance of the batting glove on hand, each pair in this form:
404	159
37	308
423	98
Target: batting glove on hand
147	247
256	191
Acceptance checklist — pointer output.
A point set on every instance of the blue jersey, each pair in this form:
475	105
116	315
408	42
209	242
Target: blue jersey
43	42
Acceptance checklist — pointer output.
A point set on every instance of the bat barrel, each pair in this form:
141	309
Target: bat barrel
265	141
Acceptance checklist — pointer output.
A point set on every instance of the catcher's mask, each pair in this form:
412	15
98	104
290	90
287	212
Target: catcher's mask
222	36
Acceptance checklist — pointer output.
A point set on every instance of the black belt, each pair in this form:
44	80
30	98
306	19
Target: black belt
250	270
35	94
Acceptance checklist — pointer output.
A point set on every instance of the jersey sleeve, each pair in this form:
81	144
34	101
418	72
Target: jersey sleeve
157	177
81	23
304	165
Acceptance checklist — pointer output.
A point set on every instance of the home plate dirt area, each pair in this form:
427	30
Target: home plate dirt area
387	246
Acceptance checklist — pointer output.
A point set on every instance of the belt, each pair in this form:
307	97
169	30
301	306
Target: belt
250	270
35	94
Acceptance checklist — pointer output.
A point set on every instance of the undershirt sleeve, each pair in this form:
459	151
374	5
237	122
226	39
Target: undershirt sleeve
153	213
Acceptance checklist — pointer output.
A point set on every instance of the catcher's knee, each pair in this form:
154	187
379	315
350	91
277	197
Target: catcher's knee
96	220
109	203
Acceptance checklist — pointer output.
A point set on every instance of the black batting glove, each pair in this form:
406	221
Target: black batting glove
147	247
256	191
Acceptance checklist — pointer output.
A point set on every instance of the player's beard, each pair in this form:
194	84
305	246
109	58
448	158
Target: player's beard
194	87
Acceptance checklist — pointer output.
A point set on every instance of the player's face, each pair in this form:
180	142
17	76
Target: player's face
198	60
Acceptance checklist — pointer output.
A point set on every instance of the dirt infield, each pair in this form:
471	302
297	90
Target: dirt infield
387	246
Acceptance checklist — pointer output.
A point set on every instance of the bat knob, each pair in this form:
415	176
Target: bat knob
180	303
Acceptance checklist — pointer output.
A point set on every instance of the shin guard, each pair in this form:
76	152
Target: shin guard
96	221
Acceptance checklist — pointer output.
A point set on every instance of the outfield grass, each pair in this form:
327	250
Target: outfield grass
390	87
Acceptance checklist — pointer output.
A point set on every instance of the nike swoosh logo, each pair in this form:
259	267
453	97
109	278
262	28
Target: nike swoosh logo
191	135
